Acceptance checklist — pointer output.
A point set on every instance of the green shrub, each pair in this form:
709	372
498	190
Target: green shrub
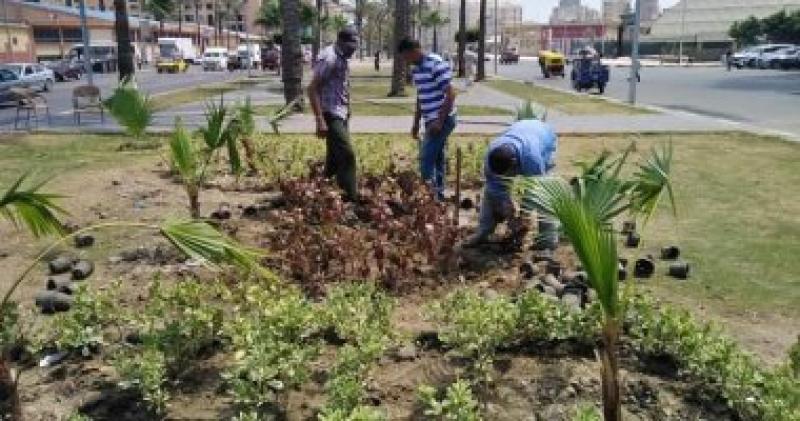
358	312
794	358
586	412
542	318
457	404
83	326
475	327
145	369
271	335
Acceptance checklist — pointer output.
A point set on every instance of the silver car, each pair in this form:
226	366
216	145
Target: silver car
33	76
8	80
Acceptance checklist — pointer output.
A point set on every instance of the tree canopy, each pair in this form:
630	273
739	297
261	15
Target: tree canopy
778	27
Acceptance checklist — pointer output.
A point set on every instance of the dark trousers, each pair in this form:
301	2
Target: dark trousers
340	160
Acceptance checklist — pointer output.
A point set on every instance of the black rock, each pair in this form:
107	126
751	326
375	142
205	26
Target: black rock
467	203
670	253
679	270
644	268
60	265
82	269
633	240
223	213
84	240
52	301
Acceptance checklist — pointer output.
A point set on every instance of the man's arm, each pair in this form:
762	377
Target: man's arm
316	105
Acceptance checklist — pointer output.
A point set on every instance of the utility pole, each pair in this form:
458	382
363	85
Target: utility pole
496	46
87	52
634	78
683	31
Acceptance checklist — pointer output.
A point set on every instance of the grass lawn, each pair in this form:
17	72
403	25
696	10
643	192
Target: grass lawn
564	102
736	194
167	100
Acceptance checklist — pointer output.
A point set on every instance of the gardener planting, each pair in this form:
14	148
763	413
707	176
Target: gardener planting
329	94
527	148
435	105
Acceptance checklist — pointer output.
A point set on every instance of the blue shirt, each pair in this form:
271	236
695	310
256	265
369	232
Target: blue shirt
432	77
535	145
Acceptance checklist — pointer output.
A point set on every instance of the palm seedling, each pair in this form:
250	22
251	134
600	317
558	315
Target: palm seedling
222	131
246	115
187	162
585	209
132	109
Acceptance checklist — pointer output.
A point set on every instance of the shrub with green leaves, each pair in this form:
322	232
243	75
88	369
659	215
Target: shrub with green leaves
456	403
358	312
794	358
586	412
271	335
132	109
541	318
83	326
475	327
145	369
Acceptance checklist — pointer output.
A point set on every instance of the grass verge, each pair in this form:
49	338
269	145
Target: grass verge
564	102
167	100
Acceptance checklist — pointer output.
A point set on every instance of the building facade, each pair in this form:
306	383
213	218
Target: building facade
613	9
17	43
573	11
650	10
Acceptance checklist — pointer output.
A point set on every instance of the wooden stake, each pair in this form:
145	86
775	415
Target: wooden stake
458	183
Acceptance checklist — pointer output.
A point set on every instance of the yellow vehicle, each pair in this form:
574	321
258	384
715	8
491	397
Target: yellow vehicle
552	63
171	65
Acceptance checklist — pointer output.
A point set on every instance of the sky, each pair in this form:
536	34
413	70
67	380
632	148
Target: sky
539	10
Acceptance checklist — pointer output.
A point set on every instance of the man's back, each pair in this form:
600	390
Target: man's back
432	78
333	71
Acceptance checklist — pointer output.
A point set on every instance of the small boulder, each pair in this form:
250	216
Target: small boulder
60	265
53	301
84	240
82	269
407	352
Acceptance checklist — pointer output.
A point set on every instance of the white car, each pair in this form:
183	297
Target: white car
771	59
32	75
215	59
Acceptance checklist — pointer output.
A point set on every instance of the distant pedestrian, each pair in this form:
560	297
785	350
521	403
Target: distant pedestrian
728	59
436	97
378	61
329	94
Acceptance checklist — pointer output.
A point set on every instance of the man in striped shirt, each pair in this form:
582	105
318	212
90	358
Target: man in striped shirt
435	105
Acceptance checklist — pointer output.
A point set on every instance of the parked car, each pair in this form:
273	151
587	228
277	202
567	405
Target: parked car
767	55
509	57
788	60
782	58
8	79
66	69
104	55
215	58
749	57
34	76
271	58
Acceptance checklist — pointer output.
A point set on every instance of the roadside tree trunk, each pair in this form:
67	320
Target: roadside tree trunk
462	39
435	39
401	12
180	18
291	53
481	73
317	32
123	34
360	27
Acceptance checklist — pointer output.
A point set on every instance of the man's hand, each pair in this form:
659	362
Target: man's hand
322	128
415	131
435	127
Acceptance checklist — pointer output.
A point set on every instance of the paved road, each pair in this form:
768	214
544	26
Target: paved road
763	98
60	98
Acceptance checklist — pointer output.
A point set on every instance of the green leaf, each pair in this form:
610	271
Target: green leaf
183	154
34	209
200	241
650	181
132	109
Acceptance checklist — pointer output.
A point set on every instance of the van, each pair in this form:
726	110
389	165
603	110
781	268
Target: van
104	55
215	58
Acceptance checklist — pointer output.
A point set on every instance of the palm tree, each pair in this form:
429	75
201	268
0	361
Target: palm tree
123	34
291	53
315	47
401	17
462	38
434	19
481	73
586	209
359	12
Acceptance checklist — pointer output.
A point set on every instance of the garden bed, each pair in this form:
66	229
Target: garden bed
533	375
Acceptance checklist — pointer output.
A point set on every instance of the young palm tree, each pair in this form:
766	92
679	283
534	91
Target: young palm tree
585	210
291	53
401	27
434	20
481	72
123	34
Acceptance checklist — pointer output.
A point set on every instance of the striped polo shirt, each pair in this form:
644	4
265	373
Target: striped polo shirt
432	77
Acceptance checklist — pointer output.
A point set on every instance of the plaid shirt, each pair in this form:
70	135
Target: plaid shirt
334	73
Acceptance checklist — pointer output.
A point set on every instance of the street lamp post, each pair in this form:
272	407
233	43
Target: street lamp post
87	52
634	78
683	31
